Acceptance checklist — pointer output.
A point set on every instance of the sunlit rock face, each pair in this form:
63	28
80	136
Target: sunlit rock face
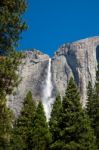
32	73
77	59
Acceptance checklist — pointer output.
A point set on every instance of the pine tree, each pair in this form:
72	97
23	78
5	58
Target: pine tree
95	123
53	123
75	130
41	135
11	23
95	113
5	124
8	75
90	101
23	127
93	106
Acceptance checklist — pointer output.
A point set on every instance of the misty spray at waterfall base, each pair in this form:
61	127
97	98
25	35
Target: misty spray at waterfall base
47	92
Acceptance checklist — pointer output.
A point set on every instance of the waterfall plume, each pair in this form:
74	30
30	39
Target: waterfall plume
47	92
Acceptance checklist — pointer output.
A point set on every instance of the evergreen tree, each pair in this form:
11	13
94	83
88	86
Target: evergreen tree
93	108
8	75
75	130
53	123
5	124
11	23
41	135
23	127
90	101
8	80
96	106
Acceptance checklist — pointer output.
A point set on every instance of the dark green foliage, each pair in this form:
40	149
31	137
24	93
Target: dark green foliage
41	136
96	105
23	127
11	23
93	108
90	101
5	124
8	75
8	80
75	131
53	123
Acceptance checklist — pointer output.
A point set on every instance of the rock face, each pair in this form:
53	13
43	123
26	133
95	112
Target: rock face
77	59
32	73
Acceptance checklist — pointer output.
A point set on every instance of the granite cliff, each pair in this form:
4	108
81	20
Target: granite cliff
78	59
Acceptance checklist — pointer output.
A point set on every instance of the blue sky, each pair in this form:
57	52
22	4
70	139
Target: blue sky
54	22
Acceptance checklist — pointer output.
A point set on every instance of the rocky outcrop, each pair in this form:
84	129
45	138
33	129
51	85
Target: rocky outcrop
77	59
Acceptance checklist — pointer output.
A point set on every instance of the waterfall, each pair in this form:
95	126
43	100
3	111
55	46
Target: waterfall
47	92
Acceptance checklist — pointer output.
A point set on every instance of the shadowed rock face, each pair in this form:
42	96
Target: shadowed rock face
77	59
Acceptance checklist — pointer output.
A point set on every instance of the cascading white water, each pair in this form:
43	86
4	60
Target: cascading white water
47	92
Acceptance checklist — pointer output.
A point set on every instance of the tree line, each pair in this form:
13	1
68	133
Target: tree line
70	127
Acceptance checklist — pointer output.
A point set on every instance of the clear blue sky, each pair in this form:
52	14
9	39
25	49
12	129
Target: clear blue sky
54	22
